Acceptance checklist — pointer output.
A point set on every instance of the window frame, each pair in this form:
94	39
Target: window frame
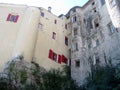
111	28
54	35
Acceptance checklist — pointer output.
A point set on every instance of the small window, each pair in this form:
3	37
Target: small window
55	21
65	26
54	35
75	31
102	2
74	10
97	42
40	26
96	24
66	41
54	56
74	19
42	14
12	18
93	3
77	63
112	3
111	28
96	59
75	47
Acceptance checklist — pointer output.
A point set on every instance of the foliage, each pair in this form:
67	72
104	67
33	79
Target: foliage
104	78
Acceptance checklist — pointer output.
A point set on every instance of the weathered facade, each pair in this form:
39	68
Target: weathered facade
94	37
84	38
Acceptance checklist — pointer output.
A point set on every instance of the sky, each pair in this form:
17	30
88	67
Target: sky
58	6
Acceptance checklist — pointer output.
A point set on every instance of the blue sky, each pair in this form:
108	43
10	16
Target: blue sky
58	6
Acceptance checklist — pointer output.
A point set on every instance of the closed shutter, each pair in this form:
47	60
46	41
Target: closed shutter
59	59
8	18
50	54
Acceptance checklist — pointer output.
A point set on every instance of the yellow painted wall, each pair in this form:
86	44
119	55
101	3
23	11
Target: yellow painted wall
25	38
9	31
45	41
17	37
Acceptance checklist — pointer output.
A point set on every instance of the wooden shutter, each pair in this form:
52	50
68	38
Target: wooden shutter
8	18
59	59
50	54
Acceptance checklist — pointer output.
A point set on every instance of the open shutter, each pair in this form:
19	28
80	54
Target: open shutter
16	18
8	18
50	54
59	59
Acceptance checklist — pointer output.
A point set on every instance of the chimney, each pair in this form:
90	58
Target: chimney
49	9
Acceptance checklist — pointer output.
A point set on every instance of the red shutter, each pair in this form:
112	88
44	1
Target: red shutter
59	59
50	54
8	18
64	59
16	18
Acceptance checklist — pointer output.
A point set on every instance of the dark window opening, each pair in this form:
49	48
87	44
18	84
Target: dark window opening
66	41
54	35
77	63
54	56
42	14
55	21
74	10
65	26
74	19
96	24
75	31
93	3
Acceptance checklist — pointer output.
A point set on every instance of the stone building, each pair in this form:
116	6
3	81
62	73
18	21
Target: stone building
84	38
95	37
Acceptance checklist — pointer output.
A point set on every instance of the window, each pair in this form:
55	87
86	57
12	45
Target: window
55	21
42	14
65	26
97	42
77	63
96	24
102	2
74	19
12	18
89	22
111	28
93	3
96	59
40	26
66	41
54	35
75	31
52	55
74	10
112	3
75	47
